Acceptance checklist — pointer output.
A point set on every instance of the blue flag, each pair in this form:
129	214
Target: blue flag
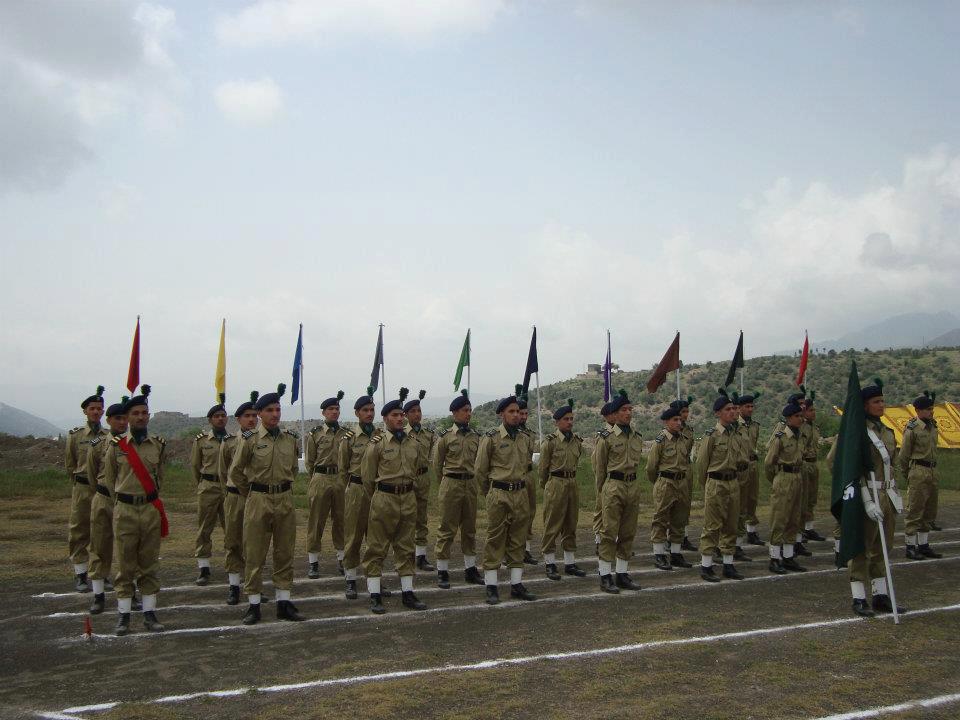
377	362
607	372
297	366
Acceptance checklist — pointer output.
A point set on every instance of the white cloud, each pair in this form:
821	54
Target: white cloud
275	22
249	102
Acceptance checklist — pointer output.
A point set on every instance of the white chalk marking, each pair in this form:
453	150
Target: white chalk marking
898	708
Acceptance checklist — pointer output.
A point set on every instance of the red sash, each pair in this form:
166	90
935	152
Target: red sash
146	482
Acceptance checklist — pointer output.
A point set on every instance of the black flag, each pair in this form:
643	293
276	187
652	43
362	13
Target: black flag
737	361
377	362
531	362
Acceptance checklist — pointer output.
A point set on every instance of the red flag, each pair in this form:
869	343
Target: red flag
803	359
670	362
133	374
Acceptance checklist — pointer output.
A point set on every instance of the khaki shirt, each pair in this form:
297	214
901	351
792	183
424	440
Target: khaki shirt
785	447
689	439
668	454
118	476
424	438
228	450
812	437
390	460
919	443
94	466
323	446
455	451
559	454
205	456
501	457
78	444
751	433
264	458
616	451
351	450
719	451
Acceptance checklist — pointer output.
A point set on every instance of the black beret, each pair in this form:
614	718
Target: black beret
415	402
136	400
605	410
270	398
329	402
395	404
682	404
672	411
925	401
791	409
871	391
563	409
243	407
521	396
808	402
219	407
619	401
97	397
365	399
506	402
118	408
749	398
460	401
722	400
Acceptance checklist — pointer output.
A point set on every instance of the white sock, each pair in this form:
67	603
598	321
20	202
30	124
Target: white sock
858	590
282	595
658	549
675	548
878	586
622	565
728	559
799	537
490	577
97	587
568	557
406	583
421	550
516	575
79	568
203	562
528	546
469	561
340	555
603	567
149	603
313	557
254	599
373	585
443	565
788	551
836	545
349	573
549	559
923	537
751	528
706	561
808	525
233	578
775	552
124	604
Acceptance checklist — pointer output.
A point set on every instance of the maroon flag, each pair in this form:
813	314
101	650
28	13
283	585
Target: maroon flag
133	373
670	362
804	356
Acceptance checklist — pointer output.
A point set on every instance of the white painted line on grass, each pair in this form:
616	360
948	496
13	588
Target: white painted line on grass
898	708
506	662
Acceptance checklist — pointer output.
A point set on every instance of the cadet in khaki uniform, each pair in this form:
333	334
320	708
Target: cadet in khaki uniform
598	505
454	458
743	468
811	470
138	517
101	507
689	438
205	465
559	458
782	466
325	492
263	469
668	466
234	503
717	471
389	472
81	494
918	464
615	460
749	525
530	477
425	438
356	501
501	470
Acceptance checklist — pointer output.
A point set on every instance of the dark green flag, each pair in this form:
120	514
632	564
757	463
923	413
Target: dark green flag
736	363
851	462
464	361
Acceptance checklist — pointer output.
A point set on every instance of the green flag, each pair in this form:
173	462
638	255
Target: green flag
736	363
464	361
851	462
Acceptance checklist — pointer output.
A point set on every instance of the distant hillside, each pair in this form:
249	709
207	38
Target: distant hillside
905	373
948	339
20	423
901	331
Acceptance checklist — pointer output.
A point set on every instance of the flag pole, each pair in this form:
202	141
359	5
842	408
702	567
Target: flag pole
678	383
383	372
743	368
470	361
539	414
883	546
303	422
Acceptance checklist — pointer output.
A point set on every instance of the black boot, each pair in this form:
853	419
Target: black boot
677	560
813	535
926	552
574	569
376	604
607	584
882	604
313	572
913	553
81	584
123	624
836	561
493	595
800	549
234	597
730	572
861	608
411	601
662	562
528	559
792	565
552	573
151	623
776	567
472	576
934	526
286	610
707	574
97	607
687	545
252	616
740	556
422	564
340	567
753	538
624	582
519	592
204	577
351	591
443	579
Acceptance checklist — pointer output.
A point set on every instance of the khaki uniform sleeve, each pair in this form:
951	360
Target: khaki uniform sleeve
600	455
196	461
92	469
70	455
703	459
546	455
237	472
110	467
438	455
482	466
161	465
770	461
653	461
295	465
343	459
369	466
223	462
906	450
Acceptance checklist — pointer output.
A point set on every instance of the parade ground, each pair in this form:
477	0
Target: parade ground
765	647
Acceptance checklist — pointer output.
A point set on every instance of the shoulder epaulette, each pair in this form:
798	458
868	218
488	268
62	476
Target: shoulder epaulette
711	431
159	439
603	433
912	423
347	434
247	433
291	432
443	432
376	438
779	433
96	440
76	430
578	437
314	429
199	436
115	439
491	433
661	436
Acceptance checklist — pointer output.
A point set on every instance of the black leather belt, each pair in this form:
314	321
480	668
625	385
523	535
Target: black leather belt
459	476
270	489
722	475
925	463
670	474
810	459
422	471
356	480
563	474
395	489
500	485
232	489
741	466
617	475
82	479
325	469
753	457
208	477
529	467
137	499
102	489
789	468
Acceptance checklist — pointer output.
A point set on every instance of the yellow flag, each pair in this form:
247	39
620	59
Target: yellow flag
220	378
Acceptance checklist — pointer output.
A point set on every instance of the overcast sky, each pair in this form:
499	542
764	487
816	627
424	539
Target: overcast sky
442	164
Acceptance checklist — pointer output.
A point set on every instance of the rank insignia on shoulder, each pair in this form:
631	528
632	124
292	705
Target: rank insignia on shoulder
75	430
603	433
711	431
314	429
200	436
115	440
779	433
96	440
159	439
660	438
443	432
291	432
247	433
376	438
491	433
912	423
577	437
347	434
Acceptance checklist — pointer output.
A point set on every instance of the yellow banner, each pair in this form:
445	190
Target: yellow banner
947	416
220	376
